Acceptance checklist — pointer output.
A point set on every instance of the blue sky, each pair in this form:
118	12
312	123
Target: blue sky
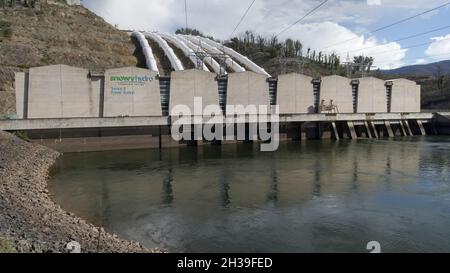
334	22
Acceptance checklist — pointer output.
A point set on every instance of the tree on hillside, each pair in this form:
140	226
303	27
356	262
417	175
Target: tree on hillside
192	31
12	3
261	50
364	63
440	78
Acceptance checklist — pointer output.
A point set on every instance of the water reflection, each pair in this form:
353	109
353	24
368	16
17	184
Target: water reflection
167	192
315	196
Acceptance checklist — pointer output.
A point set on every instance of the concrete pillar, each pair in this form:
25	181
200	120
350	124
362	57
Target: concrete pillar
374	128
369	134
351	128
335	130
422	129
408	128
402	127
389	129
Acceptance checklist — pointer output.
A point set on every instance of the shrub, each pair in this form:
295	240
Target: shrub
5	246
6	30
22	135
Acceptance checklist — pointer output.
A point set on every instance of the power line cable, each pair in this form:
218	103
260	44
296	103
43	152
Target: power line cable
242	18
390	25
407	47
401	39
420	57
302	18
186	13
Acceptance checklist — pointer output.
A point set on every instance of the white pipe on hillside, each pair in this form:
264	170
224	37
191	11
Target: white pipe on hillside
174	61
185	49
147	50
208	58
213	50
240	58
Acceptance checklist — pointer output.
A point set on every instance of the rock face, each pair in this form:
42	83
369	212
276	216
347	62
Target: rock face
7	103
30	219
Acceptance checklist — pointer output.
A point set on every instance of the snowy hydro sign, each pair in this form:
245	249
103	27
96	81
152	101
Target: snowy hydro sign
126	84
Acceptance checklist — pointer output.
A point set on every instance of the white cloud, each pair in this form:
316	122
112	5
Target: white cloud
324	27
218	17
137	14
320	35
420	61
440	48
373	2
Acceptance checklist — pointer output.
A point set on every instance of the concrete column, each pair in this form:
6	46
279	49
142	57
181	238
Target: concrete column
369	134
422	129
408	128
374	128
402	127
351	127
389	128
335	130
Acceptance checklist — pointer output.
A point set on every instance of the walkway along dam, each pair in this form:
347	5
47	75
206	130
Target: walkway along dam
73	109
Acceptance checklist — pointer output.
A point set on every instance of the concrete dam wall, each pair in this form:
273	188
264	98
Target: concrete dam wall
57	91
61	91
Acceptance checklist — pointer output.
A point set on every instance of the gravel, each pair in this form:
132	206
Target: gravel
30	220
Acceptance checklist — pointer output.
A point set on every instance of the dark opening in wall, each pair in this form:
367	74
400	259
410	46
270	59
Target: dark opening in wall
139	54
162	61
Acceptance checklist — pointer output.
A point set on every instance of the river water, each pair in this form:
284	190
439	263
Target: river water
314	196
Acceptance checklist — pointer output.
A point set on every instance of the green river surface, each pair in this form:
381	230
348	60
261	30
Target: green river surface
311	196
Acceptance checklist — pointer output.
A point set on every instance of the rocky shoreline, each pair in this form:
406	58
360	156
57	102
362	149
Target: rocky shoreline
29	220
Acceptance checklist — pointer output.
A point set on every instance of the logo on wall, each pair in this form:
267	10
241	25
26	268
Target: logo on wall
123	85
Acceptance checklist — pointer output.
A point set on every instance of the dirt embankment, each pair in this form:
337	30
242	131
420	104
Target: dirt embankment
29	220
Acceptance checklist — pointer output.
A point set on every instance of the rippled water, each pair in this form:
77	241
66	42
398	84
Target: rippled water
314	196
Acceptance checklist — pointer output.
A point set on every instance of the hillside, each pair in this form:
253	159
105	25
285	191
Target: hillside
434	79
55	33
432	69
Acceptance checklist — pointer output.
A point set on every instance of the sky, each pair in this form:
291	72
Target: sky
340	26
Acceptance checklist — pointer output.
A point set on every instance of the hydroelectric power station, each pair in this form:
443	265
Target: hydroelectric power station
130	107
